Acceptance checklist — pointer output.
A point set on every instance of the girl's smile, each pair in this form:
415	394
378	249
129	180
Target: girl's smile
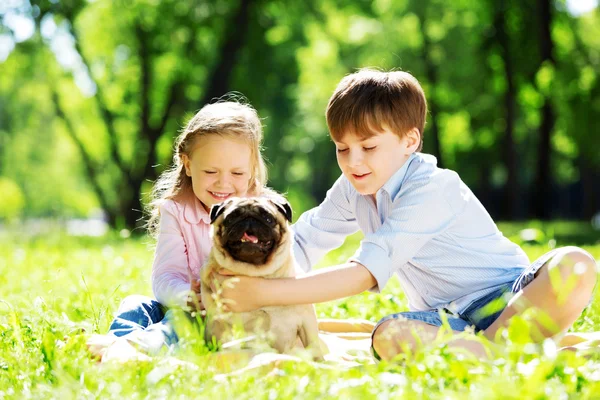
220	196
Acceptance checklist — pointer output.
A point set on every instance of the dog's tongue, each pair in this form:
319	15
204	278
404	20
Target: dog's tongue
250	238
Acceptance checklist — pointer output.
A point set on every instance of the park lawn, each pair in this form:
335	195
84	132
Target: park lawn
56	290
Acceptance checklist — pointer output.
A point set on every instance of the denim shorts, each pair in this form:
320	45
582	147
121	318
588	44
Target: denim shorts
482	312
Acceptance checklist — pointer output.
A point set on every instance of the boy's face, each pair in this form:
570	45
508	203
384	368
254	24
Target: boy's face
369	163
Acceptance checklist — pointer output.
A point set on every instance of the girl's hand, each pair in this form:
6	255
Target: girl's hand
194	301
238	293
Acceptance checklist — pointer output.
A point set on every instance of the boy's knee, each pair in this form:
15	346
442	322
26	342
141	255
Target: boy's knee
382	342
575	262
393	336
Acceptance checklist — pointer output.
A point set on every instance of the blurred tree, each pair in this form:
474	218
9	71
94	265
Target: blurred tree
578	102
92	101
161	44
12	199
431	74
542	193
511	188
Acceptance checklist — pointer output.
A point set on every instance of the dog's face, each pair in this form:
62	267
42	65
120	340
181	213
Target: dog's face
250	230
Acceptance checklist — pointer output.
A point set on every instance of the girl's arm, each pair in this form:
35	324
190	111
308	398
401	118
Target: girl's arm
170	269
242	293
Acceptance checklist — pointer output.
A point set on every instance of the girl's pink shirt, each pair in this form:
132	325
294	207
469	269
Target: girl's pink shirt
183	246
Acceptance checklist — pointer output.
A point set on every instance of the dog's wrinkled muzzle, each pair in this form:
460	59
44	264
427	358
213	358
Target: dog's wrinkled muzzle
249	240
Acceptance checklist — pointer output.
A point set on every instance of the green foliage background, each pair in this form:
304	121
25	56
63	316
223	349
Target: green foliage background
92	94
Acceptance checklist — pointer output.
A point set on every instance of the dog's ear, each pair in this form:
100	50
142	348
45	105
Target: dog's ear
216	210
284	207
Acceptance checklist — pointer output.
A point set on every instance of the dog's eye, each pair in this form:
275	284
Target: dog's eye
269	219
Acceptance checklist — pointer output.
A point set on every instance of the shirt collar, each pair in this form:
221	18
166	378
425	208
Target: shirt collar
194	212
393	185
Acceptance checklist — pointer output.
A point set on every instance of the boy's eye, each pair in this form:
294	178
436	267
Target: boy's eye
238	173
210	172
342	150
369	148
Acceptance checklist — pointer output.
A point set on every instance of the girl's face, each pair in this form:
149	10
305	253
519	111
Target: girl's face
220	168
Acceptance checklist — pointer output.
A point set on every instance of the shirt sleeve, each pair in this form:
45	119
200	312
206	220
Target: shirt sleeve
419	214
325	227
170	270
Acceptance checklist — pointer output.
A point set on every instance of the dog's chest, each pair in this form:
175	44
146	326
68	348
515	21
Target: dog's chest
282	323
284	318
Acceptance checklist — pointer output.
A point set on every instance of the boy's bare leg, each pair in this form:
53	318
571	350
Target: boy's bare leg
331	325
575	338
394	335
561	290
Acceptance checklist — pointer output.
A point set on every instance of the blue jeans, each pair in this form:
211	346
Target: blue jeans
145	320
482	312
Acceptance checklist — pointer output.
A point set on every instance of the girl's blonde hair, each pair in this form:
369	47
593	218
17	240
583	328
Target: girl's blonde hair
228	119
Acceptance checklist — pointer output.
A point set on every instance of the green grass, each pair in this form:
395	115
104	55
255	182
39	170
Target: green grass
54	287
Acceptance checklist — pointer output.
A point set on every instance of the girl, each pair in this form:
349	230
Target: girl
217	156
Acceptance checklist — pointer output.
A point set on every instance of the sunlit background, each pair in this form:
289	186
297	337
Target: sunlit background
92	94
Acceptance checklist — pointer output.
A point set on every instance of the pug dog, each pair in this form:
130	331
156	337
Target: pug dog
251	237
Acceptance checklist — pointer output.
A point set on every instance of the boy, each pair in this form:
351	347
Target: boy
419	221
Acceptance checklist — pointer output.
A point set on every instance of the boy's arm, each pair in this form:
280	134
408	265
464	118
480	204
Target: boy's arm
423	213
249	293
324	227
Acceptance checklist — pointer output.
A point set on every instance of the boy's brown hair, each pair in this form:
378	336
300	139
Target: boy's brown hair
368	101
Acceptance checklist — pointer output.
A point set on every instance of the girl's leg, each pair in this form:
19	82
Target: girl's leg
139	321
164	329
560	291
135	313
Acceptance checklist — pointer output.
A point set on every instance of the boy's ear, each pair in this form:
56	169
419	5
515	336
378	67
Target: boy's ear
216	210
284	207
413	139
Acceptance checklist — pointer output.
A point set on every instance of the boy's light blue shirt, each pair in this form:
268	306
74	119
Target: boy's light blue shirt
425	225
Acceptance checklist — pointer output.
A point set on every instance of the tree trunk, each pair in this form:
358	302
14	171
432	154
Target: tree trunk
432	78
542	189
128	210
218	82
511	189
589	189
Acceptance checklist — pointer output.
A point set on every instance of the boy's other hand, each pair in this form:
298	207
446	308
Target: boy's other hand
238	293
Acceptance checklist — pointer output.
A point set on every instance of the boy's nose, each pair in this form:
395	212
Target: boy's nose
355	158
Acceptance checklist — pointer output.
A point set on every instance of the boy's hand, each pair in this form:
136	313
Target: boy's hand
238	293
245	293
